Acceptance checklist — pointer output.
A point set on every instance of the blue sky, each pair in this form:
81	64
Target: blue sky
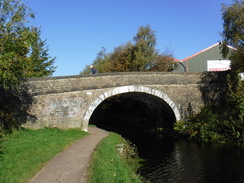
76	30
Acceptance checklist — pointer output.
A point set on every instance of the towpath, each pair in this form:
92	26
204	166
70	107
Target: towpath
70	166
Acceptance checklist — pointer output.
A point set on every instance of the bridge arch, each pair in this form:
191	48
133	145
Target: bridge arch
127	89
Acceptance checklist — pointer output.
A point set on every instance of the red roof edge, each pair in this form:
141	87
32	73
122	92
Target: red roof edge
206	50
176	60
200	52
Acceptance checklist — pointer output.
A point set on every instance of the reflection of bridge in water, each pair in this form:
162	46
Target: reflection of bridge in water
71	101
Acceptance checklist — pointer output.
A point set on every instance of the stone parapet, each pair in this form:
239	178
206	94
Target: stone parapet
40	86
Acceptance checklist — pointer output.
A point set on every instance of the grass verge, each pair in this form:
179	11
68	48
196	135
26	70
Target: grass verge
114	161
24	153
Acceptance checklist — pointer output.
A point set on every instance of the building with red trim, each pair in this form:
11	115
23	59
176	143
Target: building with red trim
209	59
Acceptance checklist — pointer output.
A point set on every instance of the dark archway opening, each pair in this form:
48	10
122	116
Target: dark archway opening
133	110
140	118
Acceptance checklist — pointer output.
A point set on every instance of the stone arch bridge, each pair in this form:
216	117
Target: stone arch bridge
70	101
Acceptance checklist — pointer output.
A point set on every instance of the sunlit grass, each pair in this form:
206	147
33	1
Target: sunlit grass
112	162
23	153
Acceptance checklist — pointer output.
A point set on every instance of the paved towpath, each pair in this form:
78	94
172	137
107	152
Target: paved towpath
70	165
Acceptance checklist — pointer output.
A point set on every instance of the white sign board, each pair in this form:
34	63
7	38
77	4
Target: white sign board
218	65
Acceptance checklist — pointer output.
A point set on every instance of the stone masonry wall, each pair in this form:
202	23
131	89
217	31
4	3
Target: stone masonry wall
63	101
39	86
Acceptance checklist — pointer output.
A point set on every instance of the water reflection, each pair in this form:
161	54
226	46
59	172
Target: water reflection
170	160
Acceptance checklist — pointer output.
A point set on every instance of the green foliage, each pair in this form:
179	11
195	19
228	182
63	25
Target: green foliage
22	52
224	124
25	152
113	162
39	63
122	58
235	94
139	55
144	49
233	121
202	127
237	60
22	55
233	18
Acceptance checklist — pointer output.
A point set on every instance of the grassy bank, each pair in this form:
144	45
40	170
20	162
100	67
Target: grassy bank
23	153
113	162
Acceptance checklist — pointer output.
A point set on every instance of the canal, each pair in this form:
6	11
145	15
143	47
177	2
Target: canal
168	159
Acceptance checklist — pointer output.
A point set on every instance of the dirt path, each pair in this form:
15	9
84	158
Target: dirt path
70	165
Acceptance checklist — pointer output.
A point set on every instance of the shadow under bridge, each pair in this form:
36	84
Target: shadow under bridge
133	110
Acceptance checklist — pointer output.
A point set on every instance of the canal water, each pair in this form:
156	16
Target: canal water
168	159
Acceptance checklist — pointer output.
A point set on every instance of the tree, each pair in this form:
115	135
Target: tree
122	58
22	55
233	33
163	63
40	63
144	50
22	52
140	55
